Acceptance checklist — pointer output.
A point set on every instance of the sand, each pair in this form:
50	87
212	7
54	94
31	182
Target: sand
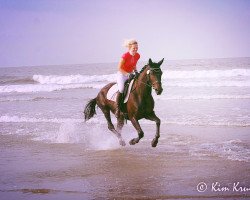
38	170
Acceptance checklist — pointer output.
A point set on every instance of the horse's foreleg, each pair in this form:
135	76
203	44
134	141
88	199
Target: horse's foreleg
153	117
120	124
139	130
112	128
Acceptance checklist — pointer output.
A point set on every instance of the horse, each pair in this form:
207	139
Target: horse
139	105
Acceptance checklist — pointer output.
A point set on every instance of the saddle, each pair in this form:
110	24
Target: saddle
126	85
127	88
111	95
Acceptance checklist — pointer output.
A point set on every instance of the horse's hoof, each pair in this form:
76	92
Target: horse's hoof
122	143
154	142
133	141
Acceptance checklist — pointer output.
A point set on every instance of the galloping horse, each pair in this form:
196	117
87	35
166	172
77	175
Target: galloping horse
139	105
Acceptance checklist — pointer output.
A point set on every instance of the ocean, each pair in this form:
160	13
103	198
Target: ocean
49	152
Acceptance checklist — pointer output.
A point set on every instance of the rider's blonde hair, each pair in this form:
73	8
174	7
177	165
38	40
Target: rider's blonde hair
129	42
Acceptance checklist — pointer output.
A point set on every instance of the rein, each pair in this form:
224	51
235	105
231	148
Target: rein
156	70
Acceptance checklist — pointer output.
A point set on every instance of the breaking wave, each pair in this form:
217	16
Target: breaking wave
201	74
170	78
29	88
73	79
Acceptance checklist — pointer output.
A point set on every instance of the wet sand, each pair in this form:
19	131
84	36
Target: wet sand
37	170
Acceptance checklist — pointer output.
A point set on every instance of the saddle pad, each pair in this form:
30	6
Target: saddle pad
112	93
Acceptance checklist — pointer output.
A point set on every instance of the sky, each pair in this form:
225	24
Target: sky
54	32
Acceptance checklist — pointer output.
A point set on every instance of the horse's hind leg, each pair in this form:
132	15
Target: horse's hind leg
139	130
153	117
111	126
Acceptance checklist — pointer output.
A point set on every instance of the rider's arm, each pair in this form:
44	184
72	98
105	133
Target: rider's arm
121	63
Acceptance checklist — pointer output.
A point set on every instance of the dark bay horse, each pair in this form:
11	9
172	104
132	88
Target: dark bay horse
139	105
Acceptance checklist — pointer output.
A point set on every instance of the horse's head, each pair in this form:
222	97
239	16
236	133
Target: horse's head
154	74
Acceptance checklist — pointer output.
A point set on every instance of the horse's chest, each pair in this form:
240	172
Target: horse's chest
147	105
141	107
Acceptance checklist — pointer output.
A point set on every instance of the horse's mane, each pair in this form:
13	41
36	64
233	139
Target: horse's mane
143	69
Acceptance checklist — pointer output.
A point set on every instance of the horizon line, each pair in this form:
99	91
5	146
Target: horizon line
94	63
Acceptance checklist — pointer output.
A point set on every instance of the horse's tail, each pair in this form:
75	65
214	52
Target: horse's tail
89	110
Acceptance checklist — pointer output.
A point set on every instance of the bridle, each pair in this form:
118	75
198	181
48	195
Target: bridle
148	83
157	71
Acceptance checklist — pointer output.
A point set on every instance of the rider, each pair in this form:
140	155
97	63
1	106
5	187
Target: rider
126	66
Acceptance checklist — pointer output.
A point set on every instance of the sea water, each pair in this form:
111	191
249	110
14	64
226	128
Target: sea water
204	111
41	101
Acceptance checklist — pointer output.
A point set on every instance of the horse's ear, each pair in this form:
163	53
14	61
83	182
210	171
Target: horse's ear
150	62
159	63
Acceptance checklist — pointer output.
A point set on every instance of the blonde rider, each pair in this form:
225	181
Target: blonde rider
126	66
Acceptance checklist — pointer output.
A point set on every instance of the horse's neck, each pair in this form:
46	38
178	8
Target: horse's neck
142	85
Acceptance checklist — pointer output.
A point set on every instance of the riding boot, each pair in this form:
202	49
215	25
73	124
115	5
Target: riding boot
118	104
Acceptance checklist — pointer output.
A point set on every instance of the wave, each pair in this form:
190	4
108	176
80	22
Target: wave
80	79
208	84
33	88
195	78
167	75
11	99
72	79
202	97
201	74
97	120
173	97
29	88
6	80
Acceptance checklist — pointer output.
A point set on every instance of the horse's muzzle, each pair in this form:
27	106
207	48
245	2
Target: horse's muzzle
157	87
158	91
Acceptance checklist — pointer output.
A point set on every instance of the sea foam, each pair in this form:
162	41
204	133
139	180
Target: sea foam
33	88
232	149
72	79
170	78
242	121
200	74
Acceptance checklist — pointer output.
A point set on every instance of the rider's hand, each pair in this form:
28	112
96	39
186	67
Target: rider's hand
131	76
136	73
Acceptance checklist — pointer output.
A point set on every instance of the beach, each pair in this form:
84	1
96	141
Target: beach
49	152
36	170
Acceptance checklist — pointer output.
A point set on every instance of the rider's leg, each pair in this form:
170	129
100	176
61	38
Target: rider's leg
118	104
121	78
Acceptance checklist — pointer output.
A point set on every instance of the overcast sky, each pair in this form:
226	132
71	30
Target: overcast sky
49	32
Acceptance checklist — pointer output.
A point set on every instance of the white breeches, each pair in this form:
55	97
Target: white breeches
121	79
